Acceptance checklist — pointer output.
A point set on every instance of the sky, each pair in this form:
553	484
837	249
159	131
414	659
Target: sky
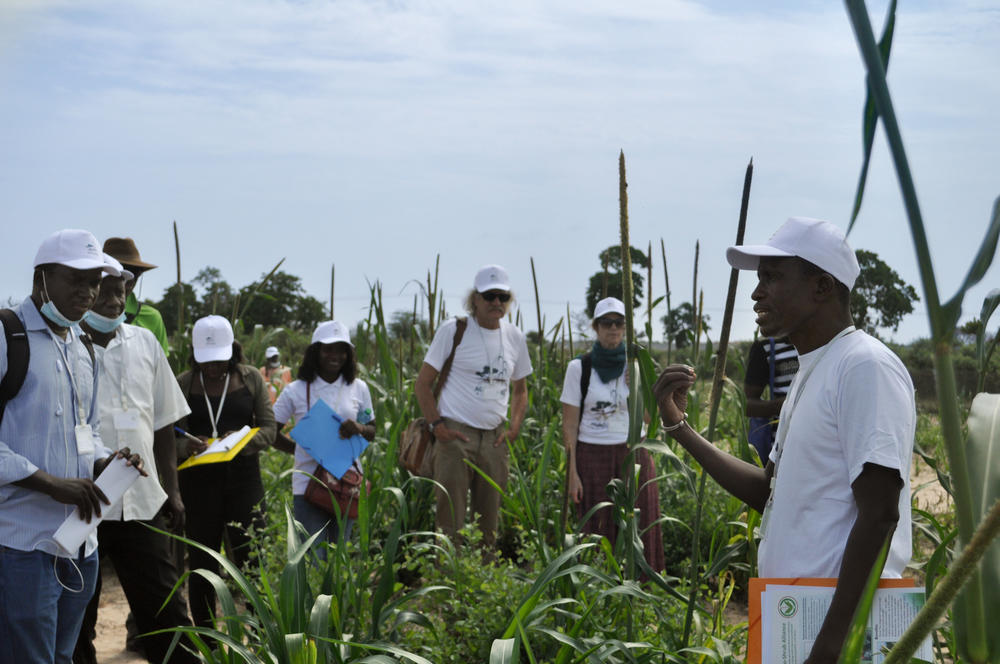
373	135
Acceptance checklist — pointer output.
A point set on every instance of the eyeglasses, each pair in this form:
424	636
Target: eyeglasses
611	322
491	296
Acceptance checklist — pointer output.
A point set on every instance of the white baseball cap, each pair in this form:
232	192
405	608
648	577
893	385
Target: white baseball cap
609	305
212	339
817	241
331	332
122	272
270	351
75	249
492	277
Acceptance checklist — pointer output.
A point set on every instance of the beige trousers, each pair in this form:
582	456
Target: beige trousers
459	479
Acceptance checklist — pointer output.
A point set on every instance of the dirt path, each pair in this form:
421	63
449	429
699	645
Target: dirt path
110	641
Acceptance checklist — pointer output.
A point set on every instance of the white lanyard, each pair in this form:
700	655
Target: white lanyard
74	392
486	349
213	416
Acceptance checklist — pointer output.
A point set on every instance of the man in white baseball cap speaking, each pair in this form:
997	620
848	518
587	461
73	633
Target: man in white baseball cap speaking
836	484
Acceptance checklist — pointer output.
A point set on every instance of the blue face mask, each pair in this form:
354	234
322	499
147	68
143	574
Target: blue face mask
101	323
49	310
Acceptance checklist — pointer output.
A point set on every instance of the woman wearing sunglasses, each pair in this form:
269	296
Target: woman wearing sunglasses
595	432
468	418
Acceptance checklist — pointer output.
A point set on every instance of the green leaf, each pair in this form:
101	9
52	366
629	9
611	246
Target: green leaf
855	642
984	348
984	258
503	651
983	450
870	122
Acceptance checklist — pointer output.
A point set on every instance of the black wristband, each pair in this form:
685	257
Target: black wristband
433	425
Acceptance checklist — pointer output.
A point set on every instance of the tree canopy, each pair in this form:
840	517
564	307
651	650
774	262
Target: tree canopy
677	325
608	282
880	298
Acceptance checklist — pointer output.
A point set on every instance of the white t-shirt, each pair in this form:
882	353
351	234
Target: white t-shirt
856	407
478	388
137	395
349	402
605	411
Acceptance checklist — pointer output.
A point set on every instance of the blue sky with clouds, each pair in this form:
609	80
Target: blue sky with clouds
374	135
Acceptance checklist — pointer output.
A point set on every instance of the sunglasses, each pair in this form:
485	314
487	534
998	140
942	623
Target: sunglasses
492	296
611	322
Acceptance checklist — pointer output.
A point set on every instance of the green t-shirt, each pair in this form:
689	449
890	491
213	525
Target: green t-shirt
149	318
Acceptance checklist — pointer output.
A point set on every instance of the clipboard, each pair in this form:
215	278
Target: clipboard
318	433
223	449
759	584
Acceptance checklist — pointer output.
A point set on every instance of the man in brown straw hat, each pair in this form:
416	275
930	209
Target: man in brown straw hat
123	249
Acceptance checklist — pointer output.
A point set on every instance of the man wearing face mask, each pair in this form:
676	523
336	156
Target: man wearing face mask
138	404
123	250
276	375
50	451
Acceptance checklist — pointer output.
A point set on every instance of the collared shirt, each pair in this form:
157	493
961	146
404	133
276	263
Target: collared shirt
38	432
138	395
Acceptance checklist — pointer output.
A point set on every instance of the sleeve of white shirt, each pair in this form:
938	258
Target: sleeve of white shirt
571	384
522	367
284	407
876	415
169	404
440	346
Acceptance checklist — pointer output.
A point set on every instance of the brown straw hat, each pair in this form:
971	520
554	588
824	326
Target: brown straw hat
123	249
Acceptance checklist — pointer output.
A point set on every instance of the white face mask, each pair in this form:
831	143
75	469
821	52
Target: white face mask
50	311
274	362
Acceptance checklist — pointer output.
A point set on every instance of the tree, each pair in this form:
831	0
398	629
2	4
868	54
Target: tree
608	282
168	305
677	325
279	302
880	298
217	296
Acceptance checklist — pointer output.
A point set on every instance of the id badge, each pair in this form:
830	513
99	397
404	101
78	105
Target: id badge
84	440
126	420
495	390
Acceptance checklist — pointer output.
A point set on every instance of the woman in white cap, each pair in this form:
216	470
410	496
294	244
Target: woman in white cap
329	373
595	432
224	395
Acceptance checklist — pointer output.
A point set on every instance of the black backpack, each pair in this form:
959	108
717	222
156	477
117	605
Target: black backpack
586	361
18	355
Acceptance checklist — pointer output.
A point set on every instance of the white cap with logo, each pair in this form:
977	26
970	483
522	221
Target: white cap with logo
271	351
491	277
75	249
331	332
817	241
212	339
609	305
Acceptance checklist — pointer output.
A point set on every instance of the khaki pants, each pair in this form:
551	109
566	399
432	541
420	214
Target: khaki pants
458	479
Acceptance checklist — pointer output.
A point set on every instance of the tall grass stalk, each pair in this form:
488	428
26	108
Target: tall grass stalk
180	284
333	280
970	620
538	312
666	284
717	383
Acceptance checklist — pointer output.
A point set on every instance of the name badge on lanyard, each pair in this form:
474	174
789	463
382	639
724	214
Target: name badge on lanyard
85	440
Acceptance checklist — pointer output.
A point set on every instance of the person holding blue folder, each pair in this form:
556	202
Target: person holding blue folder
328	373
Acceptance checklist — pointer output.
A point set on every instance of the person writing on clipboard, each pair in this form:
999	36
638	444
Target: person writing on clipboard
224	396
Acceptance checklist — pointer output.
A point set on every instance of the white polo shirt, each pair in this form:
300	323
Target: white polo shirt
349	401
138	395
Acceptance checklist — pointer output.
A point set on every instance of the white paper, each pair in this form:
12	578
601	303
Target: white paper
116	478
791	617
225	443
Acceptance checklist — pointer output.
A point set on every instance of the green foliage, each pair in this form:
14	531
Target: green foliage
880	298
677	325
608	282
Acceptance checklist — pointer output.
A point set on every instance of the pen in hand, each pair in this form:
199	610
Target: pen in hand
199	448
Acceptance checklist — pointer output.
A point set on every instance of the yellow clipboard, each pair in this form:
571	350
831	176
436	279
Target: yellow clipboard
222	449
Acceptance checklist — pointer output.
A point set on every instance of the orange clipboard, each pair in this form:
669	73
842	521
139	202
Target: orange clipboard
759	584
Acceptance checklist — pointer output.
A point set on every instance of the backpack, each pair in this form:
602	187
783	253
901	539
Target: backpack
18	355
585	364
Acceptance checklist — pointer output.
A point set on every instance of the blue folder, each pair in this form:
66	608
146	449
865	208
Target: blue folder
318	432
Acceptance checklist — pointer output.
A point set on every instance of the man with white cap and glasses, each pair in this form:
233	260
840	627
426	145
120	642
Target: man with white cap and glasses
139	401
836	484
50	451
468	419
